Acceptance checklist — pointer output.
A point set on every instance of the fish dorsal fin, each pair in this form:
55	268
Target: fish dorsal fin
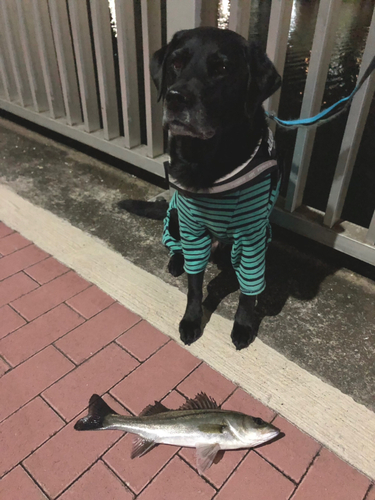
154	409
141	446
205	456
200	402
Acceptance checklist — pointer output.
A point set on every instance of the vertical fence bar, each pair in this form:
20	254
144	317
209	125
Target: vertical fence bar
47	54
65	60
239	17
318	68
101	24
79	18
30	51
208	13
352	136
370	238
127	58
277	44
8	11
151	31
182	16
6	71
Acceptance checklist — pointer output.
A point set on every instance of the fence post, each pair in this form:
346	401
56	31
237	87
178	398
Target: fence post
151	31
277	44
101	26
11	30
370	238
65	60
28	38
47	54
352	136
85	64
239	17
127	59
312	98
9	83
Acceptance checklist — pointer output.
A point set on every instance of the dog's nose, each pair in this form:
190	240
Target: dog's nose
179	98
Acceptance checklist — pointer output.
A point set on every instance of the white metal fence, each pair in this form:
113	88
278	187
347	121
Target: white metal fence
58	69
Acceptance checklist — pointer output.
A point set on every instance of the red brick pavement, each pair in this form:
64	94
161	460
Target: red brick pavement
62	339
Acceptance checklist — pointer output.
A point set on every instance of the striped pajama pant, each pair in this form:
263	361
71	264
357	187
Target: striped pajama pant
240	218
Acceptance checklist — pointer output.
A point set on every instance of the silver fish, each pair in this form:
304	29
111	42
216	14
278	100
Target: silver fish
199	423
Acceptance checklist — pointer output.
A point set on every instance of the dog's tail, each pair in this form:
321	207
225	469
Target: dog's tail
155	210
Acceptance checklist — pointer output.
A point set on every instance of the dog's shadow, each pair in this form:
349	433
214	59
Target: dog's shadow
289	273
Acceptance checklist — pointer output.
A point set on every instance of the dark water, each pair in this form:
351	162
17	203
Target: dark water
353	25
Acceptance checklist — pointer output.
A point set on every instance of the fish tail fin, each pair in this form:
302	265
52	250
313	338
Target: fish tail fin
98	411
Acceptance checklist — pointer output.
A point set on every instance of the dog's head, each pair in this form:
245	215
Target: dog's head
211	79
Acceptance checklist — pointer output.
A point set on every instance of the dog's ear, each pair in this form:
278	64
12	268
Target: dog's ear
263	80
158	64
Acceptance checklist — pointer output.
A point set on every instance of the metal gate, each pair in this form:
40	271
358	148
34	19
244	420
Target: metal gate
58	69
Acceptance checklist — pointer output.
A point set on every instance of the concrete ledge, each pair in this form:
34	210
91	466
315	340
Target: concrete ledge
323	412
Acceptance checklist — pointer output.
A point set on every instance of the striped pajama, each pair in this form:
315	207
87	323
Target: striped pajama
240	218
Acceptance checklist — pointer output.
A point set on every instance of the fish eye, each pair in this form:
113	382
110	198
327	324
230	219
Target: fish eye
258	421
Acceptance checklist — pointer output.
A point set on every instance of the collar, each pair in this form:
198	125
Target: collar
258	165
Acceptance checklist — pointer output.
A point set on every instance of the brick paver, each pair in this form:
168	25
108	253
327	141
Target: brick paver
4	367
37	334
18	485
10	321
15	286
178	480
64	457
142	340
22	259
47	270
12	243
19	440
330	477
97	332
155	377
207	380
29	379
62	339
98	482
90	302
4	230
70	395
50	295
139	472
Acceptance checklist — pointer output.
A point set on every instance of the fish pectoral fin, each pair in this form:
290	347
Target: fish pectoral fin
219	456
141	446
205	456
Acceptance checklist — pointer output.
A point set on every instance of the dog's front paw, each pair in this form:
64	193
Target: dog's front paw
242	335
190	330
176	264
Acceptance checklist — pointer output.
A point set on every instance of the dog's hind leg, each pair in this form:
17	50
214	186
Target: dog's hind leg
190	325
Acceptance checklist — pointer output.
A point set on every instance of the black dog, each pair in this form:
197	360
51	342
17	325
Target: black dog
213	83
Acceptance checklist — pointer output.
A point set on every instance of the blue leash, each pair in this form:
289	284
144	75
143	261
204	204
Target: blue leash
328	113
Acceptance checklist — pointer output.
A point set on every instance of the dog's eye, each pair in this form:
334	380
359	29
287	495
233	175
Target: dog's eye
220	69
177	64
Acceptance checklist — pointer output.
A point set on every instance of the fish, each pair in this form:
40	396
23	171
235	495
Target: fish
199	423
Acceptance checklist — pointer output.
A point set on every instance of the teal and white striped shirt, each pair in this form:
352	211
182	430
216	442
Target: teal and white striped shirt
240	217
